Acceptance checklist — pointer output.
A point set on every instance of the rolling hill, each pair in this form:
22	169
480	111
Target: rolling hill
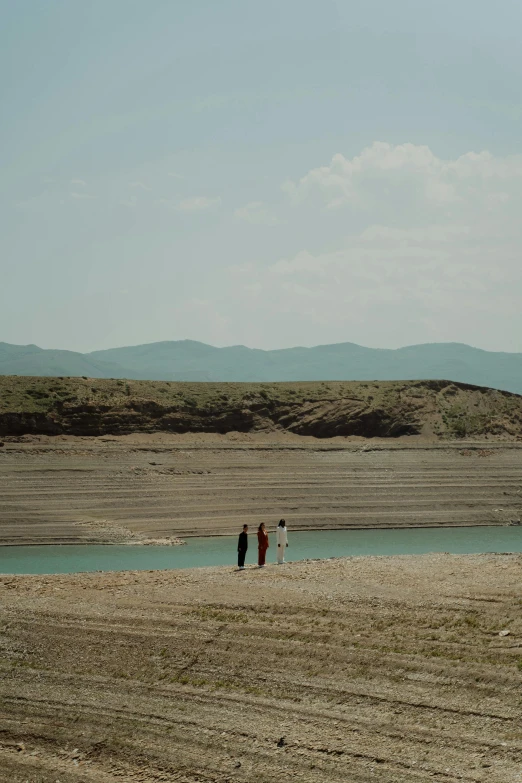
387	409
187	360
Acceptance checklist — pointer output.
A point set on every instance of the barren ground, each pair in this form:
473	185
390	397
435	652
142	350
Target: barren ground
370	669
155	487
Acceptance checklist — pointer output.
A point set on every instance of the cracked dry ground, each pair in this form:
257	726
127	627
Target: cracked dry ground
371	669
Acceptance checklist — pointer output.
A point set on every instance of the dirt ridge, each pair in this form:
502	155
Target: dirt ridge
83	407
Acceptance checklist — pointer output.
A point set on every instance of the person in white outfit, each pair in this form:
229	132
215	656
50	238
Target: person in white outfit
281	540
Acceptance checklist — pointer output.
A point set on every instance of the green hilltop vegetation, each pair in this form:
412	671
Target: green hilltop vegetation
187	360
87	406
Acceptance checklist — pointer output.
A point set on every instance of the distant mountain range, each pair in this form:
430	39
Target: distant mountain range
187	360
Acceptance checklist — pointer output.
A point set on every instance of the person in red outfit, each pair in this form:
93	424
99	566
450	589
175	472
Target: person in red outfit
262	544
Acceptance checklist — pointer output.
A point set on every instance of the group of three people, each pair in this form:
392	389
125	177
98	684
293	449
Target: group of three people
262	544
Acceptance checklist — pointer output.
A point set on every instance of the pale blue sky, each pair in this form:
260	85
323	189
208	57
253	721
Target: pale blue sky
209	170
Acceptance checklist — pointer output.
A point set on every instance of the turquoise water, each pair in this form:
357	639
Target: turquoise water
221	551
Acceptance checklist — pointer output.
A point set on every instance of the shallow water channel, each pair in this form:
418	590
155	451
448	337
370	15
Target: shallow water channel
214	551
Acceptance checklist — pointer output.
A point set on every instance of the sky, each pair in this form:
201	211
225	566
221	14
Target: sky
276	173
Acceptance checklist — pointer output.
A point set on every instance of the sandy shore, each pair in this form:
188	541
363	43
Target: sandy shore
362	669
159	488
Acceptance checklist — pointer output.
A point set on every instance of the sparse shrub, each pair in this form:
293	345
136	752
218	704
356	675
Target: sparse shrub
459	428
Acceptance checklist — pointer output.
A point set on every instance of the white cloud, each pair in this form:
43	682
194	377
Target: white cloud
79	182
257	213
77	195
139	186
387	284
198	203
386	175
406	187
412	245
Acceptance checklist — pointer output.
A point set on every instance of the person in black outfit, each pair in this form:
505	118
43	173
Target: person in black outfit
242	546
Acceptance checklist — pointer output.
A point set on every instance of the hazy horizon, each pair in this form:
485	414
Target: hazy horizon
268	174
270	348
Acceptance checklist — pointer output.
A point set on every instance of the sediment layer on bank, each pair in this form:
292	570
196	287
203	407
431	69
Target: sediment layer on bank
130	489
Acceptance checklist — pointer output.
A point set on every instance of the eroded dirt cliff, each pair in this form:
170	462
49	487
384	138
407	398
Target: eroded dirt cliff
83	406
